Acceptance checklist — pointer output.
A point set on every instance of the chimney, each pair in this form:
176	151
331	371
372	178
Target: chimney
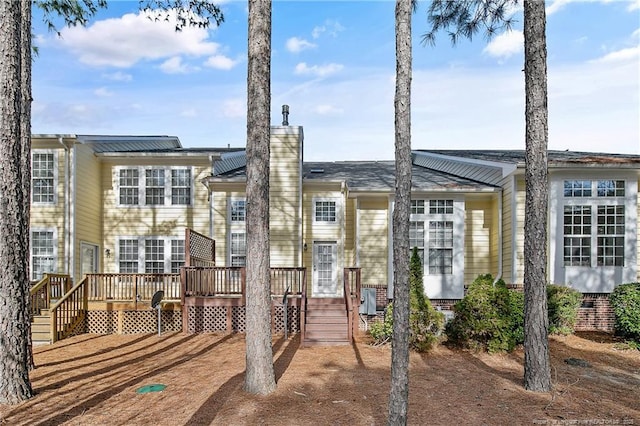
285	115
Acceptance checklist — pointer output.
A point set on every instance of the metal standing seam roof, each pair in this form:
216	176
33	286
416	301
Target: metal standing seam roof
554	156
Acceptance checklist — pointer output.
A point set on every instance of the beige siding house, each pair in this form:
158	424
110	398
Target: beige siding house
121	204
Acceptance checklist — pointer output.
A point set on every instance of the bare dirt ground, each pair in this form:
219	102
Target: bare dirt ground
92	380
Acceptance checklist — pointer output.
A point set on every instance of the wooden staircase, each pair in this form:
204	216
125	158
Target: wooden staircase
41	328
326	322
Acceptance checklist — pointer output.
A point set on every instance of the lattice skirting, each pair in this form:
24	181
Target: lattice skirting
132	322
207	319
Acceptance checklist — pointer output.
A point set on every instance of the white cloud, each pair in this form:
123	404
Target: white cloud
122	42
220	62
297	45
326	109
175	65
506	44
118	76
633	5
234	108
622	55
329	27
103	92
317	70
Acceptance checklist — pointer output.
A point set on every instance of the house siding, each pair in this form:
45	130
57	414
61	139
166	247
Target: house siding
165	221
284	199
373	244
479	253
51	216
519	231
87	202
507	229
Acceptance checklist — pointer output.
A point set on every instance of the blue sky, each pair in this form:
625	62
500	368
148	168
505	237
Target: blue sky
333	62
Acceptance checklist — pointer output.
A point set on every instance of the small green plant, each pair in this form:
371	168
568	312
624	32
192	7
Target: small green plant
425	323
563	304
625	301
381	331
489	317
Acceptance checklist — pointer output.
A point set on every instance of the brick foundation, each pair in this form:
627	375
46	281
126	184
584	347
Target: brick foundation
595	313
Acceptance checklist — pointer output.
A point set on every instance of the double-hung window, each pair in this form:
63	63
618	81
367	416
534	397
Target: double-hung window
43	252
325	211
237	215
431	222
180	186
155	186
594	222
151	255
43	177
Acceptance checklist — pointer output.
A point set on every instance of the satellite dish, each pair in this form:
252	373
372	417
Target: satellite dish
155	304
157	298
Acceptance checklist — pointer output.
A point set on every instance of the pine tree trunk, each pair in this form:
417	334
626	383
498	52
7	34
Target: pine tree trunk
25	129
14	282
260	376
399	395
537	373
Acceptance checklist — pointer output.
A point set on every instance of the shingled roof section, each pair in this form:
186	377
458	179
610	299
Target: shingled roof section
380	176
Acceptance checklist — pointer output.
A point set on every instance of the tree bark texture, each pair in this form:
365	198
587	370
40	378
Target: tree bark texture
14	219
25	129
260	376
399	394
537	373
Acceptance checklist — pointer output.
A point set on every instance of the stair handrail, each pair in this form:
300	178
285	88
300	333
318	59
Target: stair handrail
348	302
37	290
69	317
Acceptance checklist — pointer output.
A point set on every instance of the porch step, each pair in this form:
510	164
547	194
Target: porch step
41	328
326	322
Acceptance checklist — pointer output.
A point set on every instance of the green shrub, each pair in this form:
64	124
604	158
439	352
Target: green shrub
563	304
425	323
489	317
381	331
625	301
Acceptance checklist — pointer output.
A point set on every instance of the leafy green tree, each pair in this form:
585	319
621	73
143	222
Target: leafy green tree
467	18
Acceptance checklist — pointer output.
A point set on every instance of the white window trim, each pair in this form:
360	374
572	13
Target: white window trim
142	185
594	278
55	176
229	210
336	200
141	250
229	253
55	246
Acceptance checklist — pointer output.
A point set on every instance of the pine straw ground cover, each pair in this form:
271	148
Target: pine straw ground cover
92	380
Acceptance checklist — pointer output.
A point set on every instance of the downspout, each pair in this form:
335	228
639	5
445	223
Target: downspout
210	199
66	202
500	248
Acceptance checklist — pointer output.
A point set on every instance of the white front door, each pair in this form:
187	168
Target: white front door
89	259
325	268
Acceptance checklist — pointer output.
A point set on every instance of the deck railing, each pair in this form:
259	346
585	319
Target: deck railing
69	311
231	281
352	291
132	287
50	288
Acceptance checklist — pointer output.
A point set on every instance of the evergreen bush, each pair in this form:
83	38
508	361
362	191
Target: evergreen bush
563	304
625	300
425	323
489	317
